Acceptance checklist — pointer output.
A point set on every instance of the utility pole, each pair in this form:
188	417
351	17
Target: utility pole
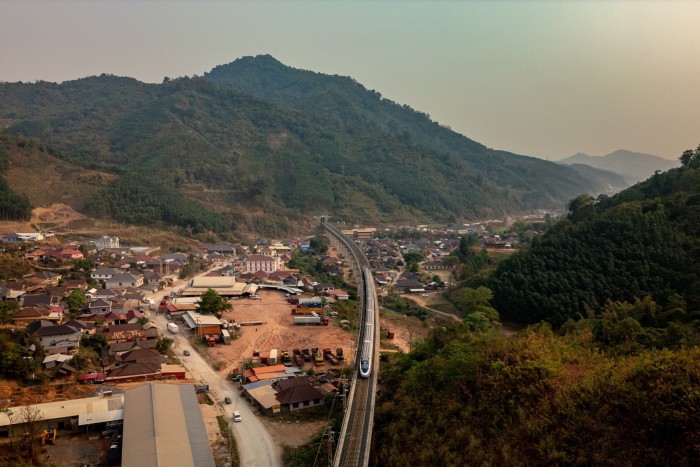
330	448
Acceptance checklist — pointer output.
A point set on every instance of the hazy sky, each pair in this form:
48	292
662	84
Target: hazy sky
547	79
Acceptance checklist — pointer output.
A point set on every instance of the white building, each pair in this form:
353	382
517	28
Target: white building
106	242
255	263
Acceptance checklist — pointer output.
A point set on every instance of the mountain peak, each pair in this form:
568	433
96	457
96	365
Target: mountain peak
634	166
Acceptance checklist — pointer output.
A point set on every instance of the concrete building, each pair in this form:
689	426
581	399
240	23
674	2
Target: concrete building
255	263
106	242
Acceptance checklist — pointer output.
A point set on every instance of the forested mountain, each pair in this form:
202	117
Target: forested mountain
616	384
536	399
642	242
194	153
355	109
634	166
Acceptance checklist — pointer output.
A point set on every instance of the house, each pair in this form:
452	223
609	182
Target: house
102	274
100	306
127	332
48	278
84	327
298	393
58	338
124	280
409	286
268	264
338	294
51	361
40	300
435	265
28	314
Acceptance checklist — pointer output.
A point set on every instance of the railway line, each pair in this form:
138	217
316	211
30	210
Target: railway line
356	434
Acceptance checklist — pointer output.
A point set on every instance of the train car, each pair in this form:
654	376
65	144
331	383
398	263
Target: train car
368	330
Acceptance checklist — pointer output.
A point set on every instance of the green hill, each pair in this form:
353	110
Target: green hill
195	153
644	241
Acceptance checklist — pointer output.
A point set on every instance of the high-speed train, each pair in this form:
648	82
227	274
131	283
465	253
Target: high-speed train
368	328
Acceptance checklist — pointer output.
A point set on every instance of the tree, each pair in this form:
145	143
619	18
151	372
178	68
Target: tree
211	303
76	301
687	157
582	208
465	244
319	245
163	344
6	311
470	301
30	416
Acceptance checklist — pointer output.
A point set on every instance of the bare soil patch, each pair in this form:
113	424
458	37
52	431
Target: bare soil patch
407	330
278	332
13	394
293	433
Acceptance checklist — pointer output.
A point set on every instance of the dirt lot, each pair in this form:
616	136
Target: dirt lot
12	394
278	332
406	329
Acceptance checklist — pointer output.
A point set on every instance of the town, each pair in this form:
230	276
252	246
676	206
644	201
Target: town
100	333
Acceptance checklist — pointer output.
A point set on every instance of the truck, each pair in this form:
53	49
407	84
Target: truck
306	354
285	358
298	358
225	336
272	359
318	357
310	320
339	354
313	302
172	327
330	356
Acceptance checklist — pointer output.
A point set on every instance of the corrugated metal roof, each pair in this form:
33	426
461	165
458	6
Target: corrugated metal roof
89	407
163	426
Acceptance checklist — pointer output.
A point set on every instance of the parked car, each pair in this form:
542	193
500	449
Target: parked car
227	400
186	353
236	417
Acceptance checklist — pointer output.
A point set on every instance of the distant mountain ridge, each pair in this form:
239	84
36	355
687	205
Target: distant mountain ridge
634	166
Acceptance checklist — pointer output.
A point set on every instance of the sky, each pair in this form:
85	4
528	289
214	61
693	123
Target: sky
545	79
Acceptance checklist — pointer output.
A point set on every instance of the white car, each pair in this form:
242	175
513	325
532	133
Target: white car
236	416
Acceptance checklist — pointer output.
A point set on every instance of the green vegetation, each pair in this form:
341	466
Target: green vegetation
76	301
399	304
17	361
6	311
464	398
193	153
13	206
645	241
164	344
311	264
137	199
212	303
617	385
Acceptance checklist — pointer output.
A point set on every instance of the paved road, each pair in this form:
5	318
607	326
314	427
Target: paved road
255	445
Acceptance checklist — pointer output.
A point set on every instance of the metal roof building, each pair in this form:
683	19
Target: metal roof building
163	427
